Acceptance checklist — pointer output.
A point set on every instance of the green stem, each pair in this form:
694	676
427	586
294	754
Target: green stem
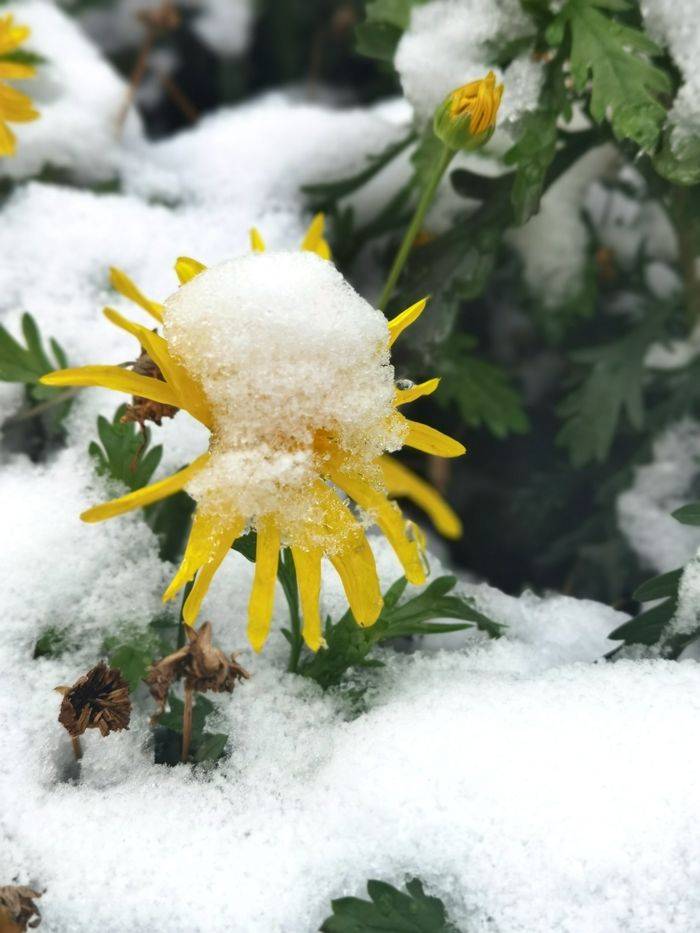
443	159
181	639
288	578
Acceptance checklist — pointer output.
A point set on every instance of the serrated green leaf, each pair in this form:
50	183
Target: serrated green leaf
349	645
26	364
389	910
124	454
480	390
625	84
610	387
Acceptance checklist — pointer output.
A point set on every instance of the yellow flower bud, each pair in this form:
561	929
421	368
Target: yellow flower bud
466	118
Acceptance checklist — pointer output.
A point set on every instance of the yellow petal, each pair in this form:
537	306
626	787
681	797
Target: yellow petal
308	567
16	106
262	596
257	244
400	481
354	560
146	496
152	343
432	441
114	377
199	544
16	71
124	285
11	36
390	520
358	573
404	396
399	324
189	395
219	549
314	241
187	268
8	140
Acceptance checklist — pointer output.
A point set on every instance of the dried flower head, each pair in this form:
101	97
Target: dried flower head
289	368
17	908
466	118
142	409
202	666
97	700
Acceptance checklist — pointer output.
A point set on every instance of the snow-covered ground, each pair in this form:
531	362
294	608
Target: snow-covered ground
529	784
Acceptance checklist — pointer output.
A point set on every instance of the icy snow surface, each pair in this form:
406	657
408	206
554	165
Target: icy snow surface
79	97
553	243
659	488
452	42
674	24
531	791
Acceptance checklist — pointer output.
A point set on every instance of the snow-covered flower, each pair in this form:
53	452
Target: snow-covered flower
466	118
15	107
290	370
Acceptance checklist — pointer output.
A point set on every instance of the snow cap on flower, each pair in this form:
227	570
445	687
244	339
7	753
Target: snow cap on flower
466	118
287	352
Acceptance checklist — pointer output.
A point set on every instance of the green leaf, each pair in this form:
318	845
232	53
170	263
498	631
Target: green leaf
349	645
688	514
132	662
660	587
533	154
380	33
389	910
124	454
23	57
29	363
481	390
610	387
54	642
647	627
211	747
133	649
678	159
625	85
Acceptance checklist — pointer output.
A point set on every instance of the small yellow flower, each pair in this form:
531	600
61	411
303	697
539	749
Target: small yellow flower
466	118
15	107
284	451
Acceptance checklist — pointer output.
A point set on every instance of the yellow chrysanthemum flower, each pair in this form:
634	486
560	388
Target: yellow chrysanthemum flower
466	118
289	370
15	107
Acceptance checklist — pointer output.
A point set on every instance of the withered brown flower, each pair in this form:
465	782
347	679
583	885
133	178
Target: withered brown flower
17	908
202	666
97	700
142	410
